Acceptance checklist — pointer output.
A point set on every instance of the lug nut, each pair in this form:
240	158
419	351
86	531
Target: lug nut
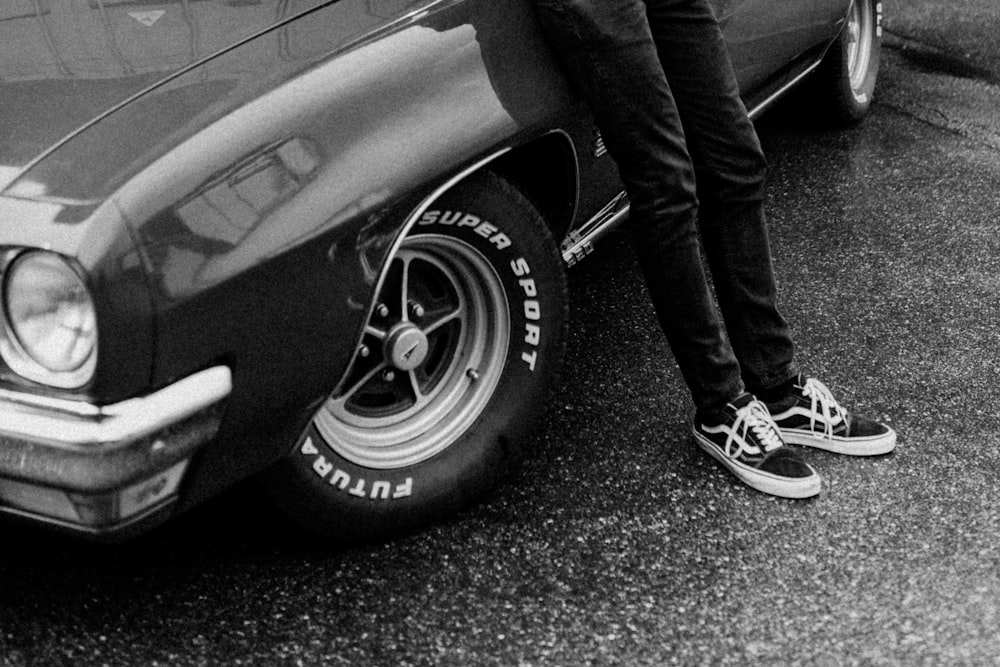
363	351
416	309
388	376
382	310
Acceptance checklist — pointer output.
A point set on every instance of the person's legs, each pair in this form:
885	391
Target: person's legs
609	49
610	53
730	169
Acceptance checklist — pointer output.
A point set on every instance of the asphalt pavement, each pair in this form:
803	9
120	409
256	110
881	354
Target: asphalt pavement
618	542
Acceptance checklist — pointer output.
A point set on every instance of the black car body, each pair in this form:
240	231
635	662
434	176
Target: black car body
201	205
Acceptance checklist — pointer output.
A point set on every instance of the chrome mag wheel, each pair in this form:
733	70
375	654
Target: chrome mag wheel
460	351
841	90
431	357
860	29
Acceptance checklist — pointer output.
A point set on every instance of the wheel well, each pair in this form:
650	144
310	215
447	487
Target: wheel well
546	172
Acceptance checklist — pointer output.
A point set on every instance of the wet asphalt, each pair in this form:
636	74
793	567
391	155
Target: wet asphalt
617	542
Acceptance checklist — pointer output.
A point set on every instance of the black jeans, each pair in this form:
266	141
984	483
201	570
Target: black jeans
658	78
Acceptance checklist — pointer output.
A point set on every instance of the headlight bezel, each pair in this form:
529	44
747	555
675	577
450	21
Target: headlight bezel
15	353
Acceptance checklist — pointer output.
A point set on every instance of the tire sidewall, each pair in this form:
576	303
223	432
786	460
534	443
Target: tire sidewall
336	496
856	102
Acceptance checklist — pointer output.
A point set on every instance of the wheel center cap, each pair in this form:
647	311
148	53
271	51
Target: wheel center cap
406	347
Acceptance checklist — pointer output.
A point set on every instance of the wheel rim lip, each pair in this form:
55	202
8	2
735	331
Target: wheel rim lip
860	22
456	401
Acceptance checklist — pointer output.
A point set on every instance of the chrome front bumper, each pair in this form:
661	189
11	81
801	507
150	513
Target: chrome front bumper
98	468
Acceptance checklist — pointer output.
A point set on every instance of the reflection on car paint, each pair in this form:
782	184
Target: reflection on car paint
229	206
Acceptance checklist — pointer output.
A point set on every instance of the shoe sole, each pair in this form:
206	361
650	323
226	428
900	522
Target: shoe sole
765	482
870	446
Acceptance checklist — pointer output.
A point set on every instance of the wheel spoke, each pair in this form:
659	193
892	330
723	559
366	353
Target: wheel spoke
418	394
404	289
377	333
457	313
350	391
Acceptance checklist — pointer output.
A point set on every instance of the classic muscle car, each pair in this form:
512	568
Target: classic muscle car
319	241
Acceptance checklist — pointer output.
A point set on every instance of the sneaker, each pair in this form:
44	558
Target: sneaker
748	443
810	416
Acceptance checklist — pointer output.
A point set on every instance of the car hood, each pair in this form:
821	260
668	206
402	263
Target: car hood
67	65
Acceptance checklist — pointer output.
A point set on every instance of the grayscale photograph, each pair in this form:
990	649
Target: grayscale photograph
502	333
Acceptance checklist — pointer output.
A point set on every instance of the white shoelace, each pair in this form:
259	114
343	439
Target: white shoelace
825	404
753	417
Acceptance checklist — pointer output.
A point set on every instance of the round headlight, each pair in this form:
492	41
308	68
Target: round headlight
50	314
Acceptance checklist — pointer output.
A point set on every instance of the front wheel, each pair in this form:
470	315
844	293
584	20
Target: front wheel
461	349
844	83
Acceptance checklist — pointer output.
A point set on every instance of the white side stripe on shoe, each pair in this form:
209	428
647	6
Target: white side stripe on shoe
751	417
824	409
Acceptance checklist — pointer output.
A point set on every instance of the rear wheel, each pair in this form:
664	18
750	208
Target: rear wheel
843	85
462	346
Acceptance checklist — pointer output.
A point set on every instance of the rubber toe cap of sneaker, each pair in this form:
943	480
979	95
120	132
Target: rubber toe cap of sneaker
862	427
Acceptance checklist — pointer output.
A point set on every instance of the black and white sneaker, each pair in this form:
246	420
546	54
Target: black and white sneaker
809	415
747	442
